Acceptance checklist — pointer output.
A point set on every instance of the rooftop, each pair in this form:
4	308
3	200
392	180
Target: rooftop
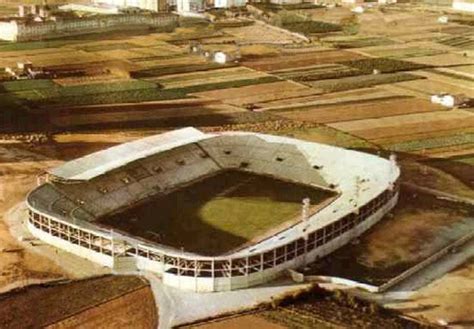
101	162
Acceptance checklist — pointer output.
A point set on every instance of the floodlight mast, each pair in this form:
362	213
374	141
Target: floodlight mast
305	215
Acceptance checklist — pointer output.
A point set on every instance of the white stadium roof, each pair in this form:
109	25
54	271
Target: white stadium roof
99	163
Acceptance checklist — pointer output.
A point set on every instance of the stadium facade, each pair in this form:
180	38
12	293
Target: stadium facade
65	208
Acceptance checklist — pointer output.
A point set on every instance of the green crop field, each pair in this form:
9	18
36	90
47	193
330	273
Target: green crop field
319	72
34	45
406	52
362	81
219	213
384	65
457	41
431	143
348	42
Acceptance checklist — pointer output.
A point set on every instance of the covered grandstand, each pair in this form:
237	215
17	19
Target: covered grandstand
68	209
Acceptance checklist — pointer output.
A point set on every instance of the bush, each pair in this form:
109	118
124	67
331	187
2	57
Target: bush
350	25
310	27
302	23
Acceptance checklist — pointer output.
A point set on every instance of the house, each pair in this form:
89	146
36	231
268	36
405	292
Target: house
448	100
464	5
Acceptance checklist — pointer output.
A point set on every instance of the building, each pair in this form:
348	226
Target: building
448	100
352	2
94	8
25	70
65	208
464	5
229	3
190	7
152	5
27	29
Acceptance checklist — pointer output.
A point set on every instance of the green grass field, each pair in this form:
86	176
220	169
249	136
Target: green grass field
219	213
433	142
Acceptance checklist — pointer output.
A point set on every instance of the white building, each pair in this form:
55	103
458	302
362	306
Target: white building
97	8
447	100
352	2
229	3
220	57
358	10
23	30
464	5
153	5
188	7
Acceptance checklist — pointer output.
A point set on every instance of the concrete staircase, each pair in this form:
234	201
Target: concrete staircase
125	264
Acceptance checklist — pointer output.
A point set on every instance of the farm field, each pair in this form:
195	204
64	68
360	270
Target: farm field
421	37
254	94
342	97
450	59
424	145
397	24
282	62
207	77
260	34
361	81
463	70
458	41
406	51
362	110
198	211
51	58
386	142
348	42
151	116
427	87
447	78
326	135
313	307
417	123
44	305
317	72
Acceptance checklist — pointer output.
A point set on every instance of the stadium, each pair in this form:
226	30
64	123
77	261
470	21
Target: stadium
212	211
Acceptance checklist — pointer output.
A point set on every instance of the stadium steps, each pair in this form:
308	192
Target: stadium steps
125	264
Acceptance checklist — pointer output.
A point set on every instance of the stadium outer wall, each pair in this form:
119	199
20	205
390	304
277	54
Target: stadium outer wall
208	274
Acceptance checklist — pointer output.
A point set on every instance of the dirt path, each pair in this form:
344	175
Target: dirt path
441	194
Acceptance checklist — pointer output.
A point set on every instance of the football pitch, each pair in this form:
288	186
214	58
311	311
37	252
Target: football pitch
219	213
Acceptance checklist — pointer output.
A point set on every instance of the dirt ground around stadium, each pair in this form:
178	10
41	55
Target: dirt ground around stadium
445	300
20	164
18	170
